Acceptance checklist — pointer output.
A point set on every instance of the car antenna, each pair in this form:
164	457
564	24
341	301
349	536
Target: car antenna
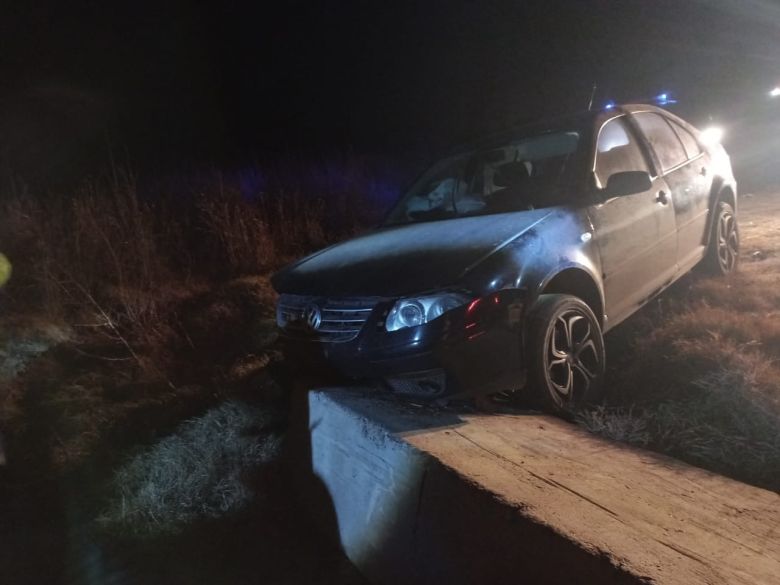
592	95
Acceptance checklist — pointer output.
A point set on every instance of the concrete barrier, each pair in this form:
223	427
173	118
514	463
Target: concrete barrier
416	496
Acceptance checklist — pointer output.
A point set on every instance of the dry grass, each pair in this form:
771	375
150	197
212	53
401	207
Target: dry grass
199	472
696	374
120	265
164	295
724	426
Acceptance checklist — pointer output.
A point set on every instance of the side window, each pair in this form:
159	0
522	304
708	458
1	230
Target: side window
617	151
662	139
692	148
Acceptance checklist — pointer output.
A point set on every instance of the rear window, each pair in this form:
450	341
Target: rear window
662	139
692	148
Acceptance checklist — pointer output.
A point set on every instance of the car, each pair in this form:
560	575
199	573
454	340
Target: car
506	262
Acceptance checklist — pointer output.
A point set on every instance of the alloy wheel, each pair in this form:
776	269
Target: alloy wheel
728	241
572	361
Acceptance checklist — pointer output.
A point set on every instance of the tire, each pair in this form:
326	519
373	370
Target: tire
722	256
565	355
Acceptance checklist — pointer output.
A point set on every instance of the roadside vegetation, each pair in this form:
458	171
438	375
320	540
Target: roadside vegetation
132	308
158	297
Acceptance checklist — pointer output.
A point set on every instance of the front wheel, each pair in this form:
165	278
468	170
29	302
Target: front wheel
566	354
723	253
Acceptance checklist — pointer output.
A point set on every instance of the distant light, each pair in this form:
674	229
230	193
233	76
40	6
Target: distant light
663	99
610	105
712	135
775	92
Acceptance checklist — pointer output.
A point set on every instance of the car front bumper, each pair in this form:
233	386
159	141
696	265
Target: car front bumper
476	349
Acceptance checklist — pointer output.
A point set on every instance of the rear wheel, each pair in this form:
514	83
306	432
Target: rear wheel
566	354
723	254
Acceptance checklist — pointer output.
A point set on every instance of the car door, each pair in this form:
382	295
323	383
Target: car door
635	234
684	167
692	219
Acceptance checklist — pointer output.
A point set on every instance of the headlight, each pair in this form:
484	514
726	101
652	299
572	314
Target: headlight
711	136
417	311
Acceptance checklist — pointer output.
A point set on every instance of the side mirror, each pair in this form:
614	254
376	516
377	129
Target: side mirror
628	183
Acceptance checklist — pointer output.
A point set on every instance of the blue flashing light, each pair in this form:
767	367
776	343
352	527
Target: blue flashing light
663	99
610	105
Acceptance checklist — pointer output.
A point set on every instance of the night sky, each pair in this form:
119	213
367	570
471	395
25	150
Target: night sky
176	83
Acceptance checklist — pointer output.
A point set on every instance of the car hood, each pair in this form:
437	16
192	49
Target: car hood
405	259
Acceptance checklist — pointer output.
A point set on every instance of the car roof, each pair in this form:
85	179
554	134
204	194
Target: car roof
635	108
583	121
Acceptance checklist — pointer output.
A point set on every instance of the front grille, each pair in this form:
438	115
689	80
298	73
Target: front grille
340	320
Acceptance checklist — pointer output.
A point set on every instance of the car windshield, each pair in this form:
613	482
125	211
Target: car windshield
525	173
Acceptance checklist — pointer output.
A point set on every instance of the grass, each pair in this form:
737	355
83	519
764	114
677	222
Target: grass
696	373
21	341
134	253
163	312
163	293
199	472
723	427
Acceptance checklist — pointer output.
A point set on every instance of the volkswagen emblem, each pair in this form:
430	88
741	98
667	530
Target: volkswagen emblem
313	316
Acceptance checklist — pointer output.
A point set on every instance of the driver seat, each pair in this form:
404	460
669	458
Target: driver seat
514	178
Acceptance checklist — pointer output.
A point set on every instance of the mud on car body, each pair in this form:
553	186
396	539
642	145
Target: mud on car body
505	263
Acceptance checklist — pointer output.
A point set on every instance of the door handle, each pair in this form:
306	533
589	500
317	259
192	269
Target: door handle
662	197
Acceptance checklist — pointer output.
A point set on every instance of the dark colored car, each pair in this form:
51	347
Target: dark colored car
505	263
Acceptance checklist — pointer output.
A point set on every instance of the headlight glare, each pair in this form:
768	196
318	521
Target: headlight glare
417	311
411	314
